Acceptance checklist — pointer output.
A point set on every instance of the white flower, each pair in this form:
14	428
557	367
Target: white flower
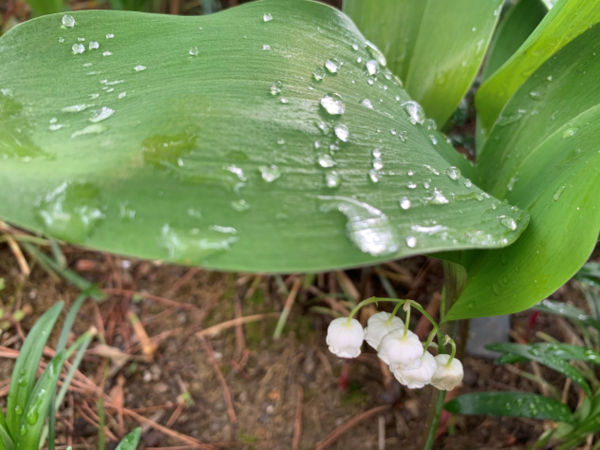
447	377
345	339
378	326
399	351
418	378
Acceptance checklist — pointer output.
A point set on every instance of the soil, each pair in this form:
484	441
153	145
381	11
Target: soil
266	390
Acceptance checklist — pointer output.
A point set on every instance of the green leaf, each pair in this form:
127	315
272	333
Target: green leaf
182	170
34	415
549	358
435	46
549	350
565	21
25	370
514	29
41	7
510	404
6	442
542	158
130	442
569	311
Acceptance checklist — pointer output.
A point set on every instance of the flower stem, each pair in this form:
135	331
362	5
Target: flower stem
394	312
407	321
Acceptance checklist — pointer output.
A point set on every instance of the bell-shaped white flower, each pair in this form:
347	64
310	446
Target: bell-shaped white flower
345	338
447	377
401	351
418	378
379	325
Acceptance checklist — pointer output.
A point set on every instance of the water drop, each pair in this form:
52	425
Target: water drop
240	205
433	139
267	17
366	103
56	126
319	74
332	179
78	48
107	54
366	226
81	39
437	198
90	129
68	21
511	183
374	175
403	135
194	51
376	53
276	87
18	410
266	47
110	36
411	241
507	222
355	47
281	141
102	114
559	192
284	100
342	133
326	161
122	95
411	185
196	245
453	173
415	112
370	81
570	132
61	40
23	430
333	104
372	67
332	65
94	45
468	183
71	211
269	173
405	203
511	118
377	163
139	68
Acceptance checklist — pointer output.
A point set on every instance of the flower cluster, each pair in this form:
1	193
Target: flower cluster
398	347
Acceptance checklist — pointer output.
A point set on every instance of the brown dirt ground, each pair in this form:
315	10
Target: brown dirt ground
265	392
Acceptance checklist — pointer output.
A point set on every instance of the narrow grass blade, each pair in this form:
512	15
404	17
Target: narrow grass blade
131	441
567	311
6	442
24	372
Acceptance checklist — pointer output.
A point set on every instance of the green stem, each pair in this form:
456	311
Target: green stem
394	312
450	341
407	321
433	418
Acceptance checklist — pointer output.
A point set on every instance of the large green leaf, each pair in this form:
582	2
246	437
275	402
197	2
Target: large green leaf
514	29
542	157
183	169
435	46
23	379
566	20
40	7
511	404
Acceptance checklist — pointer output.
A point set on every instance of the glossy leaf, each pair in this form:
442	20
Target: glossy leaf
131	441
543	157
549	350
435	46
176	159
568	311
565	21
514	29
24	373
34	415
549	359
510	404
41	7
6	442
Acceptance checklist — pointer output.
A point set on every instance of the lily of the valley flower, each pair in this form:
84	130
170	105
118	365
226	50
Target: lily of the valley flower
345	338
418	378
379	325
401	349
447	377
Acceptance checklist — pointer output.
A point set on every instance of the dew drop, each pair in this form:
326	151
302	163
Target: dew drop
511	183
68	21
139	68
415	111
332	65
18	410
102	114
78	48
507	222
90	129
94	45
122	95
194	51
276	87
195	244
267	17
374	175
240	205
319	74
332	179
411	241
366	103
266	47
342	133
570	132
376	53
326	160
468	183
110	36
433	139
269	173
77	108
372	67
107	54
333	104
453	173
411	185
404	203
559	192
